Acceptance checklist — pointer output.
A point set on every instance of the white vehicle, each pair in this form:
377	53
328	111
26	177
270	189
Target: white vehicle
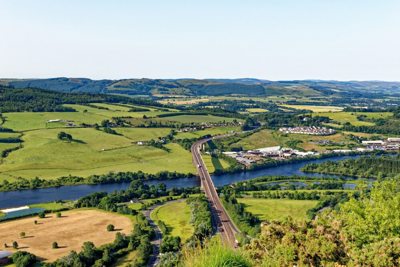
198	166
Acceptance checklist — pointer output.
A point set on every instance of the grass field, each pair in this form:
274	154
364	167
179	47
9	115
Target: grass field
94	152
176	215
278	209
143	134
70	232
315	108
267	138
52	206
213	163
351	117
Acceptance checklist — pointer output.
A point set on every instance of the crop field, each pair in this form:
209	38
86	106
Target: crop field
267	138
316	108
278	209
351	117
70	232
196	119
176	215
91	152
256	110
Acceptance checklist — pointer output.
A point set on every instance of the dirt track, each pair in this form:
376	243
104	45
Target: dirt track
70	232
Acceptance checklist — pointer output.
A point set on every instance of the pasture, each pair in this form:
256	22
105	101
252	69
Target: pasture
315	108
351	117
70	232
176	215
91	152
278	209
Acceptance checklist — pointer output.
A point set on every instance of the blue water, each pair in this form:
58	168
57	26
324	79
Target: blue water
27	197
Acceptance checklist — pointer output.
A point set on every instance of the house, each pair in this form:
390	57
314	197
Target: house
393	140
373	143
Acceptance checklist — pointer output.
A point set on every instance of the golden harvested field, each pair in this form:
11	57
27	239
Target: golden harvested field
70	232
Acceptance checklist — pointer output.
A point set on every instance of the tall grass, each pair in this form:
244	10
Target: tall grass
215	254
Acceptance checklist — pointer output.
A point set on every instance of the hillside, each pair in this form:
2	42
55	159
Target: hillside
210	87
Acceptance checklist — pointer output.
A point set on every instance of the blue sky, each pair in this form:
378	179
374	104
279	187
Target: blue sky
270	39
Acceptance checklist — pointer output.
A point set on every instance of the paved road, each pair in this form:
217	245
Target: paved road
156	242
221	220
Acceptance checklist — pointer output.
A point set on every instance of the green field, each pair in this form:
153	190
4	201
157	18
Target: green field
52	206
278	209
93	152
143	134
176	215
351	117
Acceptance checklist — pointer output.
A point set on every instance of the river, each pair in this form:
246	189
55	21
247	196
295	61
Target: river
28	197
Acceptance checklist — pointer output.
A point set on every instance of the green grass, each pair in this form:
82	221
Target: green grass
215	254
176	215
143	134
351	117
95	152
196	118
4	146
52	206
126	260
213	163
278	209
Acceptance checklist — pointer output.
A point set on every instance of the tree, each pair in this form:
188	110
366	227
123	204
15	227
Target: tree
23	259
58	214
42	215
54	245
22	234
15	245
110	227
64	136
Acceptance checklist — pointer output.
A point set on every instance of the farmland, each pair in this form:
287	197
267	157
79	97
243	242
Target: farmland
315	108
92	152
278	209
176	215
70	231
351	117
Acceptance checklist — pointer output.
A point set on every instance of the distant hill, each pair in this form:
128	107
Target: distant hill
210	87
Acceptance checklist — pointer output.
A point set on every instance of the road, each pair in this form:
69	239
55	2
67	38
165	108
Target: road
156	242
221	220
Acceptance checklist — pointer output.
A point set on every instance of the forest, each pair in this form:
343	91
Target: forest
367	167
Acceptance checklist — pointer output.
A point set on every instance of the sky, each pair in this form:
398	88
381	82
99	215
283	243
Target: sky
269	39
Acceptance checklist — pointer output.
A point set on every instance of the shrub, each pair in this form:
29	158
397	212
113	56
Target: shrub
110	227
54	245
